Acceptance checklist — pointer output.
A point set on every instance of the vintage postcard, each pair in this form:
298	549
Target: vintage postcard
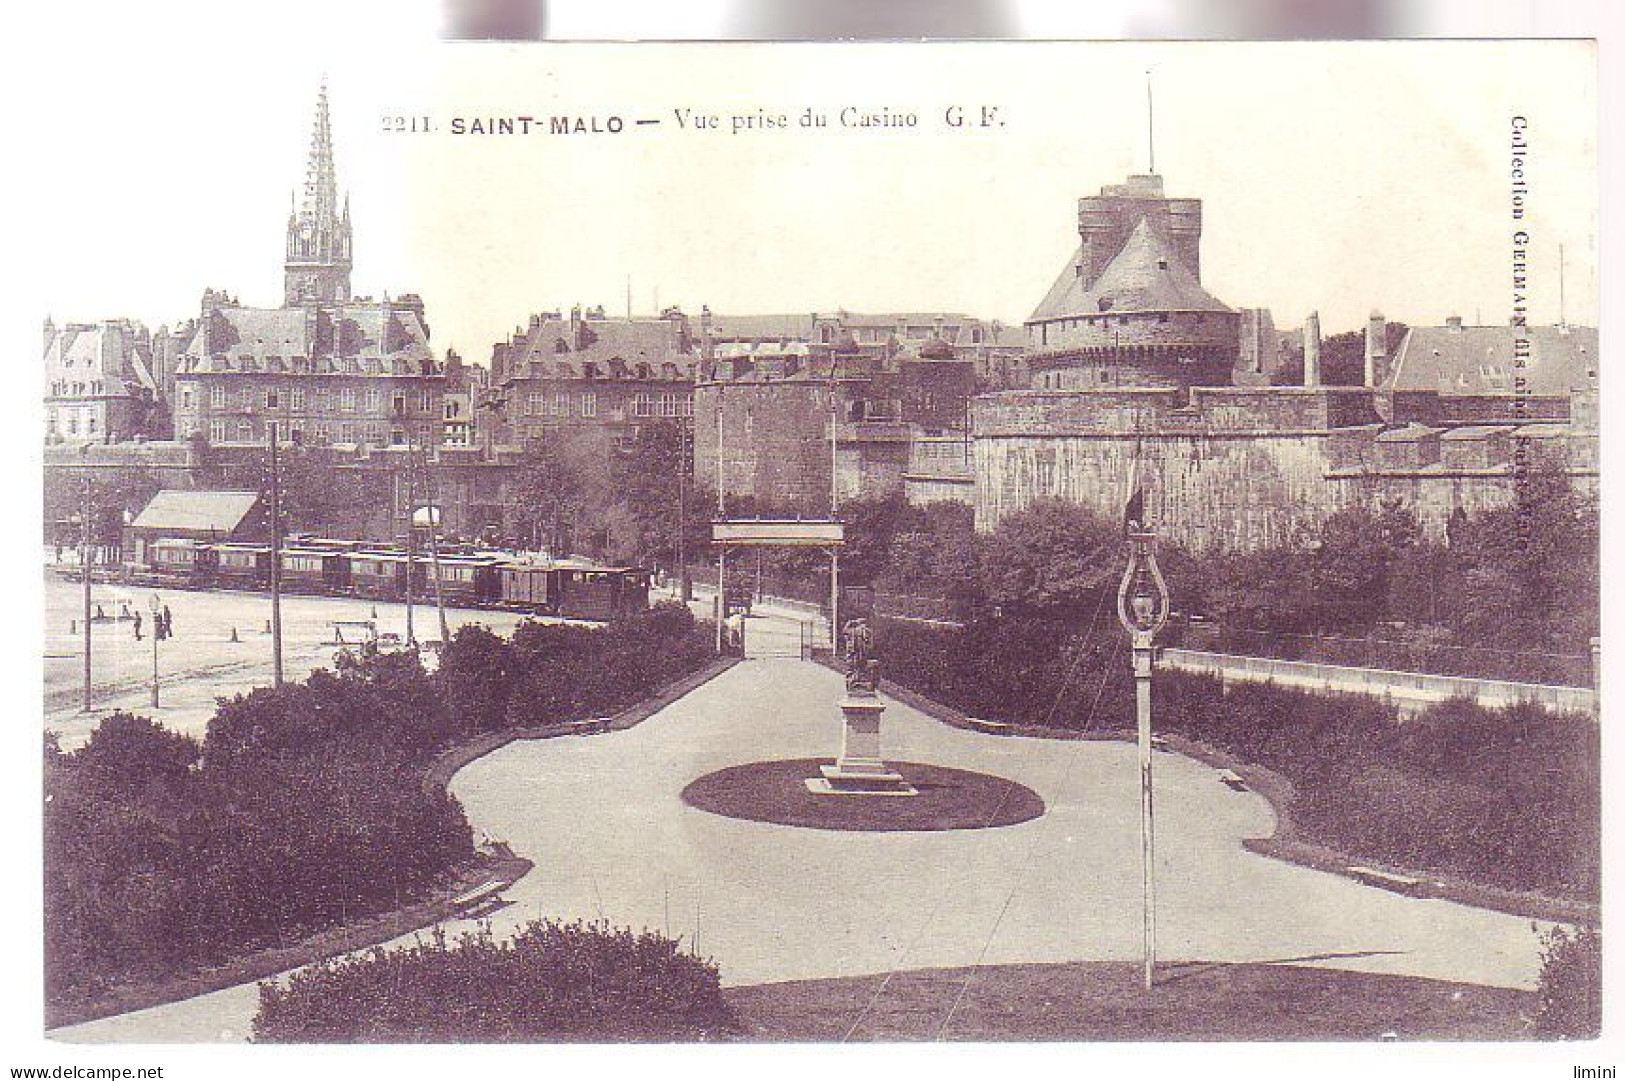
993	542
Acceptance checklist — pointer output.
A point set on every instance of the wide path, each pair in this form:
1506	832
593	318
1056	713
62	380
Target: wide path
201	662
612	840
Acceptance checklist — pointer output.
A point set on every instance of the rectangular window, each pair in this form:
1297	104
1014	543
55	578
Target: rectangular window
688	406
324	400
347	431
347	404
589	403
425	401
187	397
272	399
296	398
668	405
397	438
643	404
217	396
561	404
245	431
248	396
375	399
217	431
535	403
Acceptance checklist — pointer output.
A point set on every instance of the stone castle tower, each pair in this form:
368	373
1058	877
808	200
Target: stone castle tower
1129	308
318	257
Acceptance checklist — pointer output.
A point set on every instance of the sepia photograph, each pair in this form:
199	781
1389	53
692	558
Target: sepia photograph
982	542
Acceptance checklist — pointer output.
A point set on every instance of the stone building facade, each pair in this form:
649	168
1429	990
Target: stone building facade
99	382
325	369
590	377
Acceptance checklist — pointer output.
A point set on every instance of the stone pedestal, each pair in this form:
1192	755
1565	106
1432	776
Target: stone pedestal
860	771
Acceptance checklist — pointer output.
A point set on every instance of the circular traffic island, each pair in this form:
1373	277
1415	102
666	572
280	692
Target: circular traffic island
945	799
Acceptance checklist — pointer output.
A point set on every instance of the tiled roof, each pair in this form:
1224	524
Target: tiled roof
381	338
1146	276
201	512
553	347
1478	360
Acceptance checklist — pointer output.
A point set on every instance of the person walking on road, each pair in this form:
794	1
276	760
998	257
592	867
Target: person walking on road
169	623
138	625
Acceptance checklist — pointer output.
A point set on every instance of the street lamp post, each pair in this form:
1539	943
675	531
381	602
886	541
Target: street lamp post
1142	607
156	607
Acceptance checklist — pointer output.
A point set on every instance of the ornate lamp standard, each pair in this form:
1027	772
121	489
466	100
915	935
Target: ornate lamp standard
1142	607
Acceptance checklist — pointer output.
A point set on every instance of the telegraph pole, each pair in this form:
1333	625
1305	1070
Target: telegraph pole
434	528
84	566
684	590
834	507
722	512
276	568
411	544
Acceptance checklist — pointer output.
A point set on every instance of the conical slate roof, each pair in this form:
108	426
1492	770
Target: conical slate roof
1146	276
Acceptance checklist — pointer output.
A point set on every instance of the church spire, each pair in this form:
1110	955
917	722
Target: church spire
318	249
321	180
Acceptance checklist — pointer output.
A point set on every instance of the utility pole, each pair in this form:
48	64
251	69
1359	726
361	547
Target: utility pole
411	544
434	529
276	563
84	566
1142	608
684	434
722	512
834	507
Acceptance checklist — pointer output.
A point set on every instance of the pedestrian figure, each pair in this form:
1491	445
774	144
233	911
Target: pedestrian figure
124	609
138	626
100	615
169	623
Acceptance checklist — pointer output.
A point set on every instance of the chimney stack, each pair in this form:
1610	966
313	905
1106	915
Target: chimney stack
1453	324
1311	350
1376	350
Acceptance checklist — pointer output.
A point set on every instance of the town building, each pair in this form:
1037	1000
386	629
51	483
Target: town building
99	382
590	378
325	368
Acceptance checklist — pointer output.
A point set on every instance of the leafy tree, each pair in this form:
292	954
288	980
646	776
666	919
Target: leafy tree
1052	556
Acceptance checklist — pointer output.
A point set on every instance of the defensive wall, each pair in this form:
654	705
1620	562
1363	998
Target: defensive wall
1244	468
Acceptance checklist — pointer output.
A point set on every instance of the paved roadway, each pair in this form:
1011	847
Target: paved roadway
612	840
201	662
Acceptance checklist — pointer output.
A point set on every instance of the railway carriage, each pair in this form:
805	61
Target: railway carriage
184	562
469	581
382	574
316	569
243	566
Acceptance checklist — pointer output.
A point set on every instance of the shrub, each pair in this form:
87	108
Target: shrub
1570	985
551	982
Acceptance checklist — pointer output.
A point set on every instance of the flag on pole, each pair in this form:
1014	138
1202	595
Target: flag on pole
1134	512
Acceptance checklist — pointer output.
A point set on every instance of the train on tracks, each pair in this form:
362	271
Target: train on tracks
466	577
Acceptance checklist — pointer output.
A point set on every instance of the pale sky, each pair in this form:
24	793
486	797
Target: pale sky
1337	177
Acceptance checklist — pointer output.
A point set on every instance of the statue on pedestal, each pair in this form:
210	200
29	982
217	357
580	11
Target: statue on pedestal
862	669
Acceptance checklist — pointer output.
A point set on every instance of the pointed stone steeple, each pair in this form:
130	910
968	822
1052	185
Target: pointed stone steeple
318	255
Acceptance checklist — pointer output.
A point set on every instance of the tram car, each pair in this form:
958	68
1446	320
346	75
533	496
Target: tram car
527	586
586	591
383	575
316	568
182	562
242	566
465	581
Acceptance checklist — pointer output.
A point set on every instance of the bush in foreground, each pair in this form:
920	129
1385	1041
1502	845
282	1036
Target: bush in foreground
1570	985
551	982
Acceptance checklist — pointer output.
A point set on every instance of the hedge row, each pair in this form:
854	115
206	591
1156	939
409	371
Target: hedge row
550	982
1509	797
304	806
